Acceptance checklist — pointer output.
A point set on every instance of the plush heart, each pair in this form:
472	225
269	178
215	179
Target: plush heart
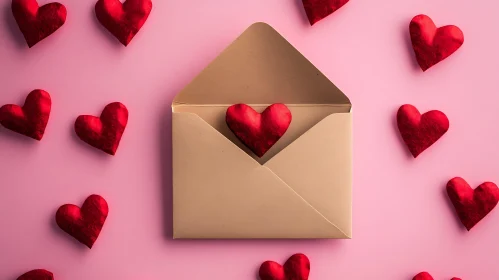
103	133
37	274
259	132
31	119
85	223
37	23
472	205
297	267
319	9
420	131
427	276
431	44
123	20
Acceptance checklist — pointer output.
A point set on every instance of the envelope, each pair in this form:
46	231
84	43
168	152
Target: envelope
301	188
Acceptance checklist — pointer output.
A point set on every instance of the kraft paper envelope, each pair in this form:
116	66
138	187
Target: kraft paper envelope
301	188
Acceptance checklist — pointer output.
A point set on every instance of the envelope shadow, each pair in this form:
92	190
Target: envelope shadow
165	149
11	25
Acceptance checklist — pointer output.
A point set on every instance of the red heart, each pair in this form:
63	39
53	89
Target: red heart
427	276
420	131
123	20
30	120
472	205
319	9
37	274
259	132
297	267
432	44
423	276
37	23
103	133
85	223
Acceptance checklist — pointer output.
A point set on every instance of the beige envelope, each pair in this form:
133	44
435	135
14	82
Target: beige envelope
301	188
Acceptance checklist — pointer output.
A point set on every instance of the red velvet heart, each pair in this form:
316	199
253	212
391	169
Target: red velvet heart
431	44
103	133
319	9
123	20
420	131
472	205
85	223
297	267
427	276
259	132
423	276
31	119
37	23
37	274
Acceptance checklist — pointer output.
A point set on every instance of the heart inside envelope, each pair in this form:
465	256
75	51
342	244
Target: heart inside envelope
304	118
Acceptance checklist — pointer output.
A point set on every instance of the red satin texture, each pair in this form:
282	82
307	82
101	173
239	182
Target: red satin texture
259	132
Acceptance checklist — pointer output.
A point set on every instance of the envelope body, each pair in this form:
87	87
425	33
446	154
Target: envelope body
301	188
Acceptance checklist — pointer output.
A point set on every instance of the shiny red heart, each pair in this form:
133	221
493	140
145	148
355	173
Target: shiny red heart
103	133
123	20
37	274
37	23
472	205
431	44
31	119
427	276
319	9
259	132
297	267
85	223
420	131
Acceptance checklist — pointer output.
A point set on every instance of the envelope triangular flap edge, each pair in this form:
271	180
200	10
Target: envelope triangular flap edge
261	67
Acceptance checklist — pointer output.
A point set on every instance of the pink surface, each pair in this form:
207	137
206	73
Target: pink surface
403	221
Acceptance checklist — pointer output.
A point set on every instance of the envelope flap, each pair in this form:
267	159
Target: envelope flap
261	67
318	167
220	192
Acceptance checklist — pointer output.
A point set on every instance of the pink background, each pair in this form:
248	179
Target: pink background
403	222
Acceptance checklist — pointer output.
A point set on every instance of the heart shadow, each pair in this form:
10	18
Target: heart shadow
453	210
57	230
399	137
11	24
110	38
301	12
98	153
410	51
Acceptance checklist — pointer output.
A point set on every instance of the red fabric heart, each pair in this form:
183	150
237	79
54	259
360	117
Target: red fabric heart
431	44
37	23
259	132
123	20
423	276
472	205
420	131
427	276
319	9
85	223
297	267
37	274
31	119
103	133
